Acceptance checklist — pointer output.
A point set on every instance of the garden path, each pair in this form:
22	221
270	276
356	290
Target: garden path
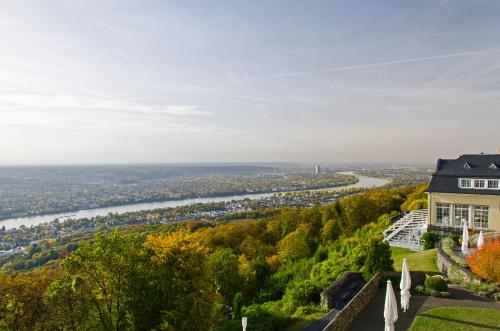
371	318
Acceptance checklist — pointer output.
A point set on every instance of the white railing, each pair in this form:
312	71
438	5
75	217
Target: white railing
407	232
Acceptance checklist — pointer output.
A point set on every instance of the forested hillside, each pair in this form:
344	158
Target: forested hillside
205	276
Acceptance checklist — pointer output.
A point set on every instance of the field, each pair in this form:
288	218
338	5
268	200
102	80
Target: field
417	261
457	318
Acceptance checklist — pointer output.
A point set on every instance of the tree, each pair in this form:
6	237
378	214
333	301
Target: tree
251	247
293	247
225	273
68	311
378	258
313	218
184	297
430	240
331	231
21	299
106	270
262	270
416	200
237	305
485	262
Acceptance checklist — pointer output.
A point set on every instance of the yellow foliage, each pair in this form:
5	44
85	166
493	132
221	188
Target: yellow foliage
182	241
274	262
293	247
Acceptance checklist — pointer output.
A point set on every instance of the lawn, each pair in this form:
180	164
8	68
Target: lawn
457	318
303	321
417	261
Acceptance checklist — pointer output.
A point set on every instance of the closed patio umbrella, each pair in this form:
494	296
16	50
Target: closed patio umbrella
390	308
405	285
480	239
465	239
244	322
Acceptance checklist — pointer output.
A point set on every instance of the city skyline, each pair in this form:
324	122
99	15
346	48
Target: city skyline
87	82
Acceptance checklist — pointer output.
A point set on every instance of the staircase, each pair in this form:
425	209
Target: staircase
407	231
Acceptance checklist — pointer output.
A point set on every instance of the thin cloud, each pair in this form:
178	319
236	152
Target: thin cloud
176	110
127	58
381	64
16	102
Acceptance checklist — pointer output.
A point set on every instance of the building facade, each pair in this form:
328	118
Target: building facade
465	189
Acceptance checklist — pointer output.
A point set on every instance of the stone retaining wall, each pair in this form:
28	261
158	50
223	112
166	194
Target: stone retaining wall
453	270
328	294
344	318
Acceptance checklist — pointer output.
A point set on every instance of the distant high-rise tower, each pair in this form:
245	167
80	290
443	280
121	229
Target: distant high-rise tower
317	170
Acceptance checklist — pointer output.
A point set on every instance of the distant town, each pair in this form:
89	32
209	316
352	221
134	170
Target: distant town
28	191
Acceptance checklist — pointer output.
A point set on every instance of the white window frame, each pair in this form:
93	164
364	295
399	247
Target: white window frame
443	206
481	212
496	186
474	183
462	180
479	181
458	214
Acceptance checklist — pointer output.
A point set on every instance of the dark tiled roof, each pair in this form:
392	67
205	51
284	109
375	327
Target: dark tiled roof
445	179
479	166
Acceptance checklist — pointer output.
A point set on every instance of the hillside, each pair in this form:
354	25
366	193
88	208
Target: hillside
199	275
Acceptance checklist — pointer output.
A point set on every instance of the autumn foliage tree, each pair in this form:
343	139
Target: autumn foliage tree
21	300
485	262
179	274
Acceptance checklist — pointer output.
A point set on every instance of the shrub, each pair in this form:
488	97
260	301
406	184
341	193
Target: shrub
420	289
321	254
448	246
436	283
430	240
300	294
262	319
287	273
308	310
484	289
378	258
485	262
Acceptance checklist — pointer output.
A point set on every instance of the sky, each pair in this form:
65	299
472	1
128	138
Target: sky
99	81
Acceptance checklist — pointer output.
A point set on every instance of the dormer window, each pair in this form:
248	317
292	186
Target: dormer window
465	183
479	183
493	166
466	165
493	184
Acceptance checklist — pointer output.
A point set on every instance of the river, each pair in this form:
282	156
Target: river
364	181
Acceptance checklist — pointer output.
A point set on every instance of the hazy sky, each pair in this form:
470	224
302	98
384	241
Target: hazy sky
181	81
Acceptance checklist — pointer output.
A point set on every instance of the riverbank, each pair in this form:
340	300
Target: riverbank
363	181
69	213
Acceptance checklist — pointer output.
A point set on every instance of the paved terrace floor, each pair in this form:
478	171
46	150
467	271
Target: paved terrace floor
372	317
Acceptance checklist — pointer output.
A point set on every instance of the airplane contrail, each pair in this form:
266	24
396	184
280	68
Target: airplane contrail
380	64
127	58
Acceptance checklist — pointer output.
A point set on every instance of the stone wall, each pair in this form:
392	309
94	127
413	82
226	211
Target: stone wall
328	295
453	270
345	317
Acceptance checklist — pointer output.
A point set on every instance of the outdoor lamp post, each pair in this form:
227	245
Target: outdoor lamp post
244	323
